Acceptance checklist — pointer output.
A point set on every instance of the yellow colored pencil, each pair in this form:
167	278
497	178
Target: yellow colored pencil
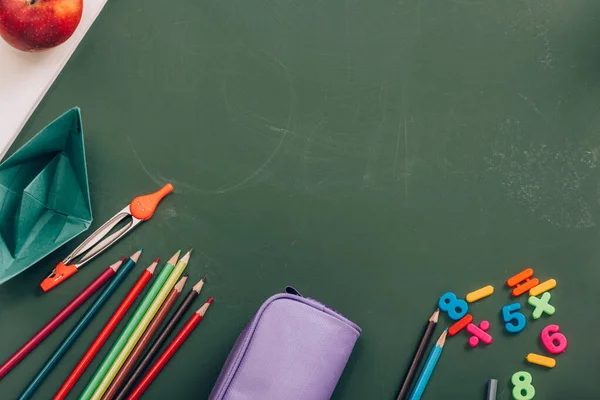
141	327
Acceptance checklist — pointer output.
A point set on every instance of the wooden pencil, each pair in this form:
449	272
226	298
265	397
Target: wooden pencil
106	332
164	358
144	340
141	327
131	325
83	323
414	366
162	338
58	319
429	366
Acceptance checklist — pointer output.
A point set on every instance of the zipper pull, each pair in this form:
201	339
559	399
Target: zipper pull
292	290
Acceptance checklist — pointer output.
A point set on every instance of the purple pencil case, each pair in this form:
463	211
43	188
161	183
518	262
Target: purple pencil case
294	348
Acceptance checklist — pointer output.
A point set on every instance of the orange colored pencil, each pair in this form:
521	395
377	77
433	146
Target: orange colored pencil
106	332
169	352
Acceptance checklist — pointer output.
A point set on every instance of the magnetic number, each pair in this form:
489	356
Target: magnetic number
523	389
456	308
553	341
514	321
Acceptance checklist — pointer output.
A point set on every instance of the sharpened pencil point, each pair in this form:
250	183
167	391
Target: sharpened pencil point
186	257
116	265
152	267
179	286
202	310
157	260
198	286
440	342
173	260
136	256
435	316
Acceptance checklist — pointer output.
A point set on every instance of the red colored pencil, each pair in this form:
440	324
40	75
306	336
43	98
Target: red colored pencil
169	352
58	319
106	332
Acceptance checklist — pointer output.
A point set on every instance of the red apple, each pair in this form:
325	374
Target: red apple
33	25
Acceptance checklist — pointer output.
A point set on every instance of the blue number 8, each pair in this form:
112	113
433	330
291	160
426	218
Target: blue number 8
509	313
456	308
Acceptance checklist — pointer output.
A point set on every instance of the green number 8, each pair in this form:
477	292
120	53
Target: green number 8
523	389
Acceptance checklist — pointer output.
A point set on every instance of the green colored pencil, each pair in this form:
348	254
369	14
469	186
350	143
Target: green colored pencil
129	328
141	327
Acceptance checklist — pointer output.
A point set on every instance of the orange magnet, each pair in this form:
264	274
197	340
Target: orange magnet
542	287
480	293
460	324
522	282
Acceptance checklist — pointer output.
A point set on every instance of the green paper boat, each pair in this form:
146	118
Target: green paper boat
44	195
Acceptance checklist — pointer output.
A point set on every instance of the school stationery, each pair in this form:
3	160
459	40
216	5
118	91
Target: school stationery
144	340
62	349
130	327
294	348
139	210
58	319
163	336
414	366
141	327
106	332
169	351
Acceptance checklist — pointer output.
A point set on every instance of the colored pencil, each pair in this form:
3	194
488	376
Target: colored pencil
429	366
169	352
162	338
144	340
55	358
414	366
58	319
106	332
141	327
492	388
133	321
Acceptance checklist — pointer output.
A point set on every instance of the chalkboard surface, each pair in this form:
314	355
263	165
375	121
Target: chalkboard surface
373	154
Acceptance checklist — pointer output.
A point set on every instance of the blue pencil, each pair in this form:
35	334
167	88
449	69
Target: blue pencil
428	367
123	269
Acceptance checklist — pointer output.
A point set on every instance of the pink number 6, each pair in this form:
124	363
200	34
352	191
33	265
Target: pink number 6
554	342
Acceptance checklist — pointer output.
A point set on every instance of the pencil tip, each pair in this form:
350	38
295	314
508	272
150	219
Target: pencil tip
186	257
198	286
179	286
442	338
204	279
116	265
152	267
157	260
173	260
136	256
210	300
435	316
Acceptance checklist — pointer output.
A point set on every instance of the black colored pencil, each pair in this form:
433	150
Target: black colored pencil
414	366
159	341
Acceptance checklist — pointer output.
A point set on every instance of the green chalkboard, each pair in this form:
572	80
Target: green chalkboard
373	154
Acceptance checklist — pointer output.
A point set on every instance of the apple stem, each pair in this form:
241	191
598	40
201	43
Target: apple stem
32	2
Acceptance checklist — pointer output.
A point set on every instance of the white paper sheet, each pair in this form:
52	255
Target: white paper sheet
26	77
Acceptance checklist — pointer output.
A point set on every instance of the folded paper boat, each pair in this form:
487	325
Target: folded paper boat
44	195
